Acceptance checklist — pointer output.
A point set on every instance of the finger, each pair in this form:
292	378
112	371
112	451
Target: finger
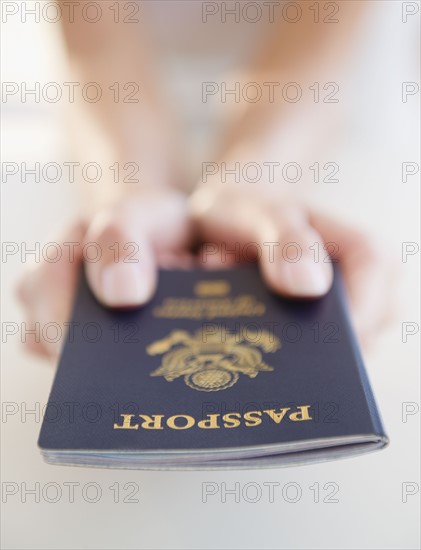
214	256
46	291
125	273
282	235
368	272
35	343
175	259
290	263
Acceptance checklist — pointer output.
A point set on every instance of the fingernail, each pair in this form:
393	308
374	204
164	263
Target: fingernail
125	284
305	278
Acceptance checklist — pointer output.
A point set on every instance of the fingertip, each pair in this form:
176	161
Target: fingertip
122	285
303	279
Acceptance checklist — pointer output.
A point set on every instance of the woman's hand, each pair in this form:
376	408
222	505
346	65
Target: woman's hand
296	246
156	229
134	237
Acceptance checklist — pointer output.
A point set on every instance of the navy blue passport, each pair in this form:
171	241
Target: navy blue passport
217	371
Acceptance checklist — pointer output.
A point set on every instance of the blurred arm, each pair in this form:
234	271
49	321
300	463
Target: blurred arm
130	120
303	52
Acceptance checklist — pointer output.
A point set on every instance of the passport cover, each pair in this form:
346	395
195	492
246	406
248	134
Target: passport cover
217	371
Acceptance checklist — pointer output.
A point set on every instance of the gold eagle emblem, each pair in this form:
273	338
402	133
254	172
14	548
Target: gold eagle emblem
212	362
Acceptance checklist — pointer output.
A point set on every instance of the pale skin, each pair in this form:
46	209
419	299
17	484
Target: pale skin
166	216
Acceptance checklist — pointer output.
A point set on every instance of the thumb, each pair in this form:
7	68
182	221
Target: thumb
285	240
124	272
293	262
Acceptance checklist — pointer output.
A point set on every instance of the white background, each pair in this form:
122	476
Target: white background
381	134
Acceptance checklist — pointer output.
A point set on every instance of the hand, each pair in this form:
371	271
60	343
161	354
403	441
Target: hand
158	229
134	237
231	217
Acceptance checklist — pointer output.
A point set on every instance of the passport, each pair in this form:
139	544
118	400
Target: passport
217	371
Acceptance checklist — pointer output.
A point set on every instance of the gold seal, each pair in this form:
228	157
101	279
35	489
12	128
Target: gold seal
212	362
